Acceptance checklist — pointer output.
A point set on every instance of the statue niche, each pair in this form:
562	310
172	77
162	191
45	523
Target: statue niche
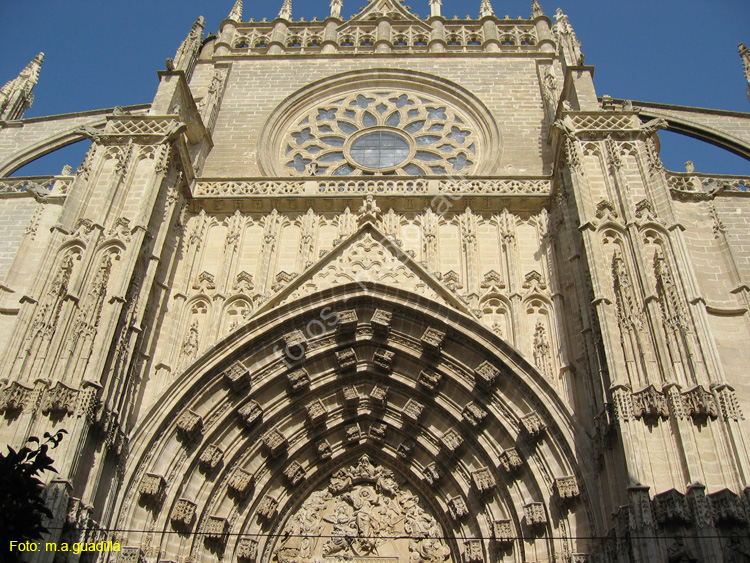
363	514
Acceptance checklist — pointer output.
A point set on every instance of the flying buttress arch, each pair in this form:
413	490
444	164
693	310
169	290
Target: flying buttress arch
246	434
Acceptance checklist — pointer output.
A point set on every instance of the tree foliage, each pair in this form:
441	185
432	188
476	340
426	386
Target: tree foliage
22	492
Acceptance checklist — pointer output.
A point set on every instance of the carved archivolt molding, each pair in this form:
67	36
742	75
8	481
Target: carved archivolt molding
380	122
236	448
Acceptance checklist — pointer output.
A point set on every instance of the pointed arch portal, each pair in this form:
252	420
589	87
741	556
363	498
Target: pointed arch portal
360	422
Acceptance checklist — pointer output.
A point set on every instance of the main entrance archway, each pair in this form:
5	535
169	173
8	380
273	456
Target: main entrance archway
360	422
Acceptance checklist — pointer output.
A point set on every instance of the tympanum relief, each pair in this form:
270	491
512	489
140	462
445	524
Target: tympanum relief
362	513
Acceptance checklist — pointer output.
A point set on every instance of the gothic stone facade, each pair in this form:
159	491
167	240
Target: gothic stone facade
389	289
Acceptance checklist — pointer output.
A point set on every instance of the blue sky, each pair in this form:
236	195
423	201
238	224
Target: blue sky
102	54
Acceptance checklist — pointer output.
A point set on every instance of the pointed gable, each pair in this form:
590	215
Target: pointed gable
366	256
392	9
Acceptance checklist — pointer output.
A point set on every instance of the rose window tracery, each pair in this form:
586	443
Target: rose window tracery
376	132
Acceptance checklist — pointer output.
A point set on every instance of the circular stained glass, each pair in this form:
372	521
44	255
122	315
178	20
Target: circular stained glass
380	150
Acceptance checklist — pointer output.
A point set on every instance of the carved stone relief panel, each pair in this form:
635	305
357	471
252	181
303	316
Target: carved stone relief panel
362	512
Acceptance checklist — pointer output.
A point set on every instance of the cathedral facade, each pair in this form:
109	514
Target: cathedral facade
387	289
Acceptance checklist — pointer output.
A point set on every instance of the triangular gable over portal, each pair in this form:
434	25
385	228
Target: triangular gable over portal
394	10
366	256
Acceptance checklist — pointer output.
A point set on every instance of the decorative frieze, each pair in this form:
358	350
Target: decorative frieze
238	376
473	551
381	322
267	507
347	359
650	405
473	414
353	433
432	340
377	431
406	448
566	488
379	396
384	359
483	480
347	324
241	482
299	380
211	457
295	473
153	488
351	396
429	379
431	473
727	508
14	397
701	404
324	449
536	516
189	425
274	441
60	400
412	410
217	529
247	550
486	375
183	513
251	413
451	441
671	507
316	411
503	532
457	508
532	425
510	461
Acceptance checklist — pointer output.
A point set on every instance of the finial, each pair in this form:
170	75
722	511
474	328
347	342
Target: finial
336	6
745	54
435	7
286	10
486	9
187	53
17	95
536	9
236	13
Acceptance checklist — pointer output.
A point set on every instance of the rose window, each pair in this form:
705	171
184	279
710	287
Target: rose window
376	132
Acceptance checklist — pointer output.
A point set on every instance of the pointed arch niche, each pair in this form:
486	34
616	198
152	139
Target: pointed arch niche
345	412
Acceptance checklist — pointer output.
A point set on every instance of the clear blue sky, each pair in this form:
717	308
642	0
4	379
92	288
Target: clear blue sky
101	54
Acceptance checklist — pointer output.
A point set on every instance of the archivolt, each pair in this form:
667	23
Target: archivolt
207	428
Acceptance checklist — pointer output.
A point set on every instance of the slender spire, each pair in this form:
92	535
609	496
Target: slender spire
336	6
187	53
17	95
566	37
536	9
745	54
286	10
236	13
435	6
486	9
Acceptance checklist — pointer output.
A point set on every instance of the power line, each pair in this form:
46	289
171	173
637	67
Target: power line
400	537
